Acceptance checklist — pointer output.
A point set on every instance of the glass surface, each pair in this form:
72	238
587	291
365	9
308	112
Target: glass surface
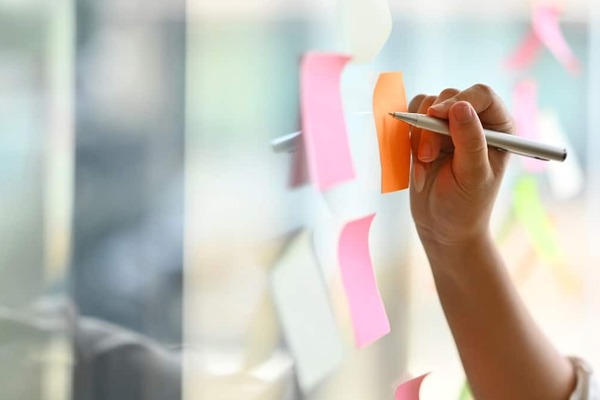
142	207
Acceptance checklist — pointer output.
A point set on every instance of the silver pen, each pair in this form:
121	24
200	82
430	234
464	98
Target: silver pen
499	140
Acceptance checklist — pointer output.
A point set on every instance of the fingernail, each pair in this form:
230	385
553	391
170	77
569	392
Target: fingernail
440	106
425	152
418	176
463	113
434	109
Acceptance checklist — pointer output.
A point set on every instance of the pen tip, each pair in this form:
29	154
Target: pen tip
391	113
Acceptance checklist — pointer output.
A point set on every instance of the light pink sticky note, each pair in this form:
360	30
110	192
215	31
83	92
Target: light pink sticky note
525	111
409	390
546	27
325	137
524	55
369	319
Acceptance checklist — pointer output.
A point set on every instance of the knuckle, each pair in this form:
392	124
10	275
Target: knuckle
419	97
428	101
483	89
448	92
416	102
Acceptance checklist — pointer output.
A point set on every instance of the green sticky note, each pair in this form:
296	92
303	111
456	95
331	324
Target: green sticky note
531	213
465	392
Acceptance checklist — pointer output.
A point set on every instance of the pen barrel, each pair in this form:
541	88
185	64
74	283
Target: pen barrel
501	141
525	147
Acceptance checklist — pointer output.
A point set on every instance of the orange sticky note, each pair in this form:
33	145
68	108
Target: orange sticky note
394	141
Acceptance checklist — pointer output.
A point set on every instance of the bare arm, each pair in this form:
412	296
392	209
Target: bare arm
455	182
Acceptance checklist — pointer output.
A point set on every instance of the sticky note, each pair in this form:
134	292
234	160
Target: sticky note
465	392
393	135
545	31
566	179
546	27
366	25
525	54
262	336
367	312
531	213
525	111
409	390
324	127
302	304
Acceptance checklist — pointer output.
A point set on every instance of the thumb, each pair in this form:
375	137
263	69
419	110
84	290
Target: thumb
470	161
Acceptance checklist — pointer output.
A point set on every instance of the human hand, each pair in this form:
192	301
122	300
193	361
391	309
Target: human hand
456	179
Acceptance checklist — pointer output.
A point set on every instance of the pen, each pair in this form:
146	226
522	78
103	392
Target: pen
286	143
499	140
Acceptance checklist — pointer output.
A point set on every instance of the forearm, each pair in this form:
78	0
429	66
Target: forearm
504	354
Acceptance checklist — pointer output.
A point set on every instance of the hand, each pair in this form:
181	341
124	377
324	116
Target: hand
456	179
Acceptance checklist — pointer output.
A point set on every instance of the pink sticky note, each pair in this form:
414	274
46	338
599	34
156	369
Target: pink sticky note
325	137
525	111
524	55
409	390
546	27
369	319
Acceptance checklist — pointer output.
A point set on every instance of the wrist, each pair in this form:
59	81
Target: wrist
456	257
434	242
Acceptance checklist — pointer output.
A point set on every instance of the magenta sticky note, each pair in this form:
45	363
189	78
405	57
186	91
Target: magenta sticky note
545	31
409	390
546	27
525	111
325	136
525	53
369	318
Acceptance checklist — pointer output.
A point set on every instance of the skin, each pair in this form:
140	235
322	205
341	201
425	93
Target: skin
454	186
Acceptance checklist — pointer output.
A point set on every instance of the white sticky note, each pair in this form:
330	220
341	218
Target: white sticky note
565	179
302	302
366	26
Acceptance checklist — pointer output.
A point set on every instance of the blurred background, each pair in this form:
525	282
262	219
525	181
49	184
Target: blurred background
142	208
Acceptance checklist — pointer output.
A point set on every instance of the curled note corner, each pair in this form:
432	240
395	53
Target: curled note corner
366	27
410	389
367	311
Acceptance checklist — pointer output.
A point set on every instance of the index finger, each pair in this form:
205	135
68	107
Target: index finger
415	103
489	107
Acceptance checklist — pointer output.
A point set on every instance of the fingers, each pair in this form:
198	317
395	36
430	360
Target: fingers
419	104
432	143
467	112
415	138
415	103
491	110
470	163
